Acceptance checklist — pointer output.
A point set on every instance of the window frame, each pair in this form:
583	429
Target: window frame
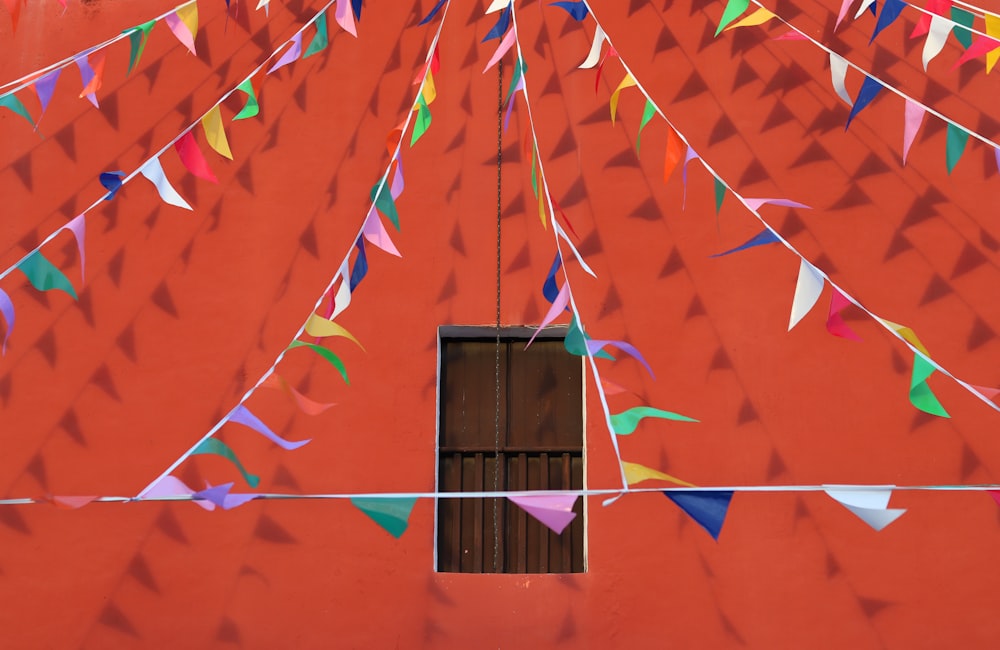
506	332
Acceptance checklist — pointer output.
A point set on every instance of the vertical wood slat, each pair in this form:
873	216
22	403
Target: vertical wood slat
522	522
477	513
456	509
567	537
543	532
501	509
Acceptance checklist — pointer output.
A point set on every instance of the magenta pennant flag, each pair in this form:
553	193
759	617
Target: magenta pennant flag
979	47
44	87
171	486
7	309
192	158
78	227
557	307
835	322
397	180
754	204
376	233
554	511
242	415
913	116
596	346
290	55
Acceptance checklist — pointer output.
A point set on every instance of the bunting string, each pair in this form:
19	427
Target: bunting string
384	184
903	334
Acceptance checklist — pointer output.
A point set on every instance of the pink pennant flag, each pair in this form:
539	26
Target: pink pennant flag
986	391
995	494
179	23
835	322
790	35
78	227
554	511
290	55
376	233
345	17
192	158
502	49
72	503
397	180
913	116
754	204
171	486
844	6
611	388
688	157
557	307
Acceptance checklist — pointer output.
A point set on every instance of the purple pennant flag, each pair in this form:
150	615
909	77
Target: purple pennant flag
220	496
242	415
44	87
78	227
510	103
596	346
554	511
7	309
86	74
688	157
171	486
397	181
290	55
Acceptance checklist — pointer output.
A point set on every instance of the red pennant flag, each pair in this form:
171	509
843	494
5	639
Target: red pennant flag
191	156
835	322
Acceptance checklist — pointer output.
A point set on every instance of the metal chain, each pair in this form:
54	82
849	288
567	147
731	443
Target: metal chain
496	419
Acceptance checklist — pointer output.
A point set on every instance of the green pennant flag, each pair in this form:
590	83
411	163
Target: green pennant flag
44	276
720	194
965	19
625	422
11	102
534	171
520	67
251	108
920	393
320	40
576	342
391	513
423	121
326	354
216	447
955	145
733	9
385	204
137	37
647	115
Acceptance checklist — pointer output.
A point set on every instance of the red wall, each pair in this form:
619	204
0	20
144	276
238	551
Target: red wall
181	312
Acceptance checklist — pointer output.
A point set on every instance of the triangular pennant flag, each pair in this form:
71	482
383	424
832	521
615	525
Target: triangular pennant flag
763	237
153	172
329	356
995	494
356	7
381	196
627	82
554	511
78	227
183	22
503	22
939	7
913	116
890	12
792	35
908	335
921	395
340	300
291	54
192	158
625	423
720	194
980	46
844	6
758	17
993	29
375	232
579	258
838	74
835	322
214	446
430	16
171	486
755	204
988	392
112	182
549	288
557	307
44	87
137	37
360	268
72	502
321	327
807	291
576	342
306	405
674	153
7	310
732	11
963	25
955	145
502	49
10	101
577	9
708	507
870	5
937	35
43	275
396	188
647	114
871	506
636	473
91	75
221	496
320	39
391	513
869	89
688	157
423	121
344	15
597	78
215	132
242	415
594	55
596	346
251	108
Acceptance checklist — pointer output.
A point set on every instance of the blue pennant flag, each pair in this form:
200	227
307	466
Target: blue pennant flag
869	89
578	10
761	238
549	289
112	181
708	508
502	24
890	12
356	7
360	265
429	17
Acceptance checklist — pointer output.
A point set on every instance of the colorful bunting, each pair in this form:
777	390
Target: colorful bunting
755	204
329	356
963	25
375	232
291	54
807	291
502	49
955	145
7	310
152	170
576	342
215	132
733	9
306	405
765	236
137	37
708	508
215	447
320	39
549	288
192	158
594	347
554	511
890	12
184	24
221	496
251	108
993	29
321	327
688	157
91	75
871	506
625	423
980	46
865	4
869	89
835	322
43	275
557	307
913	116
908	335
171	486
77	226
921	395
674	152
391	513
242	415
636	473
757	17
11	102
381	195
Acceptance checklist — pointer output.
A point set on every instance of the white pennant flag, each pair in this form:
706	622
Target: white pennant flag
497	5
807	291
864	5
153	171
936	37
595	50
871	506
838	72
343	297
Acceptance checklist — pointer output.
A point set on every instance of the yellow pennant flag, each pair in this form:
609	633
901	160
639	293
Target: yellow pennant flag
627	82
322	327
758	17
908	335
215	133
993	29
636	473
430	91
189	16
